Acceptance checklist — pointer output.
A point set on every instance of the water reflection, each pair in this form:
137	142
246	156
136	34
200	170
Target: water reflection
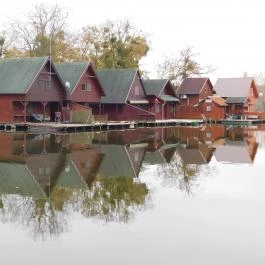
45	179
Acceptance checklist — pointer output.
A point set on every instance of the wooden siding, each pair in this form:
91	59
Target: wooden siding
125	112
91	96
38	92
136	85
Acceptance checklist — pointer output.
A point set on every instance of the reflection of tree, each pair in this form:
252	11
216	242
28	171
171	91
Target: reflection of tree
109	199
114	199
183	175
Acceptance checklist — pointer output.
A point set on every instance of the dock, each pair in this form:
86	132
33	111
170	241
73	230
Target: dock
52	127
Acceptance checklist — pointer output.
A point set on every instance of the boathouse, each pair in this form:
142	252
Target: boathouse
191	92
162	98
30	88
125	98
84	87
240	94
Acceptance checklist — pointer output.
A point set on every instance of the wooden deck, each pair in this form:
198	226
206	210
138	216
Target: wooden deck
49	127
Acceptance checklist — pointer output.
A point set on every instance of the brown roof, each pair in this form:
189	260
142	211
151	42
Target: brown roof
218	100
235	87
193	86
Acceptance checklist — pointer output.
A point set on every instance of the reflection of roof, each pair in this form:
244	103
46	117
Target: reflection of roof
192	86
16	179
161	156
116	83
154	158
233	153
70	178
24	70
233	87
116	162
197	156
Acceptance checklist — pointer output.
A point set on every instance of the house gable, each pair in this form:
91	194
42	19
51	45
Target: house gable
136	91
46	86
88	88
81	81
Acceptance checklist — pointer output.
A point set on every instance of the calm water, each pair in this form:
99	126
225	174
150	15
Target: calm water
151	196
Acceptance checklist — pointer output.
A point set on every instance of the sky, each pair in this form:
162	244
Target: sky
227	34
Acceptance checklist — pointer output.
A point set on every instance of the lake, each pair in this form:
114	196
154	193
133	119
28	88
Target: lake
180	195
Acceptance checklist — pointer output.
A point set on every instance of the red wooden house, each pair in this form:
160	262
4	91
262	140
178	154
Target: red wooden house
125	95
84	87
162	98
240	94
191	92
212	108
30	86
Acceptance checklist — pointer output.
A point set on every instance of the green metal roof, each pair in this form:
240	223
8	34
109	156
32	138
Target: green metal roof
71	72
16	75
16	179
236	100
154	86
168	98
116	162
116	83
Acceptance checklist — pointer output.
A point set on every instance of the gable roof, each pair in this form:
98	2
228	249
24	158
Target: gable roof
154	86
72	72
17	75
218	100
117	84
235	87
193	86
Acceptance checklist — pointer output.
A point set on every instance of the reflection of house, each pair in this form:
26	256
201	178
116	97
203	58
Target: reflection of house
239	146
86	161
162	98
240	93
125	95
29	86
163	155
15	178
197	154
121	160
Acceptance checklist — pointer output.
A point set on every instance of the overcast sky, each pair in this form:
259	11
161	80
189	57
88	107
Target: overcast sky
228	34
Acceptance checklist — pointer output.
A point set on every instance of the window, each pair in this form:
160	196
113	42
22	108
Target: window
157	108
44	84
137	90
208	108
86	87
208	135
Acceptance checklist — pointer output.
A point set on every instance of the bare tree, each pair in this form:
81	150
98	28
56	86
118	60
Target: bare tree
42	26
182	66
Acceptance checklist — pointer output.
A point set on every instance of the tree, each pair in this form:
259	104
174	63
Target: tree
5	43
182	66
43	32
114	44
